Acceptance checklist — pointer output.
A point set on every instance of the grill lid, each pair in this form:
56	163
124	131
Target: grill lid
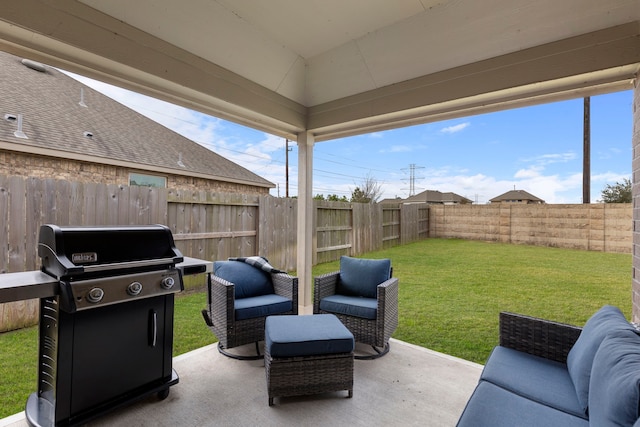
69	250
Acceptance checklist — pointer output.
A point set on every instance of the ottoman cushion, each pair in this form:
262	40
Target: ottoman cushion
291	336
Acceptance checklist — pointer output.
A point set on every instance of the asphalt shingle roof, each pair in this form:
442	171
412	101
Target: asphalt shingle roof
435	196
53	118
516	195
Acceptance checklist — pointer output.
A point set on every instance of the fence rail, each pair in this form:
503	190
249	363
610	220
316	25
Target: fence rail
216	226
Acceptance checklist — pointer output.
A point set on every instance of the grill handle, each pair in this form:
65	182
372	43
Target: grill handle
153	328
130	264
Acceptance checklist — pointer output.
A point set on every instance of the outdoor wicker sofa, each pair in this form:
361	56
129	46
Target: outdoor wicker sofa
553	374
241	296
364	296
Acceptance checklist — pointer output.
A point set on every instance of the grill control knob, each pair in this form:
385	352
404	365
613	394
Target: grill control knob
168	282
95	295
134	288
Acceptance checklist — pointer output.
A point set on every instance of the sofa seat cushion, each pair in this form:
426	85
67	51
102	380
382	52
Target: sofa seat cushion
249	281
493	406
614	392
366	308
535	378
361	277
261	306
580	357
294	336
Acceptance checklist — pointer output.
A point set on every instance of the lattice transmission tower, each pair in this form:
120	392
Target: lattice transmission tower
412	178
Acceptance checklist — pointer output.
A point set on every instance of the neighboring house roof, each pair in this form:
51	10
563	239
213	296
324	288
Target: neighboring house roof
431	196
434	196
516	195
394	200
55	124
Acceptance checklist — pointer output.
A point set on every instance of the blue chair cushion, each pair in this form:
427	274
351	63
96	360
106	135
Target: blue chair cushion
249	281
497	407
366	308
293	336
580	357
361	277
533	377
614	392
261	306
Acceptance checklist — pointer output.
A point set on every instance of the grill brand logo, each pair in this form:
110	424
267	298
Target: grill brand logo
84	257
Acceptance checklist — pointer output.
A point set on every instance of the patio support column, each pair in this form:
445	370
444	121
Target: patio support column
304	260
635	170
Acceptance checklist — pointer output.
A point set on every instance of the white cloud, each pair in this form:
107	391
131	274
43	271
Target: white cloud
532	172
455	128
547	159
398	149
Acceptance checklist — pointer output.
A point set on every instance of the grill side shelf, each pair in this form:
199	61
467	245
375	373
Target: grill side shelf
27	285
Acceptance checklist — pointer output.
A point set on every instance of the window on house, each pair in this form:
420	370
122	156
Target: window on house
147	180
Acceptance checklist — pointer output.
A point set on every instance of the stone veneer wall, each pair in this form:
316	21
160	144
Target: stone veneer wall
636	204
28	165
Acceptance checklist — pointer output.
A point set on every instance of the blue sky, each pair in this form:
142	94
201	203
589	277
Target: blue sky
537	149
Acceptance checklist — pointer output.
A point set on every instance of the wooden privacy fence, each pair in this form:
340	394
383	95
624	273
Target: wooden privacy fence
205	225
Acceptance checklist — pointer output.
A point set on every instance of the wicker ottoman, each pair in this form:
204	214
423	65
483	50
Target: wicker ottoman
307	355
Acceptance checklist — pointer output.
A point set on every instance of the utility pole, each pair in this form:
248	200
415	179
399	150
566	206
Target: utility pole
286	168
586	159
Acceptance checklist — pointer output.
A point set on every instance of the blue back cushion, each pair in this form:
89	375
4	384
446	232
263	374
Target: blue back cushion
614	393
580	358
361	277
249	281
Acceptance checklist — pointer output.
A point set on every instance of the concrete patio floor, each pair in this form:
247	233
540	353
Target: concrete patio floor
409	386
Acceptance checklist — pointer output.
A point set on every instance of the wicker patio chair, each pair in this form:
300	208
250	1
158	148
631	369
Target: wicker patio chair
364	296
239	299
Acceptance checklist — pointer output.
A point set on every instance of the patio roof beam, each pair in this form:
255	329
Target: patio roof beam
605	60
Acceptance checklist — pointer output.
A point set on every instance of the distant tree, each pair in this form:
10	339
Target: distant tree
368	191
331	198
359	196
336	198
618	193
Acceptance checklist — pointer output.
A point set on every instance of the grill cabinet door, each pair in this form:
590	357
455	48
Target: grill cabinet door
118	349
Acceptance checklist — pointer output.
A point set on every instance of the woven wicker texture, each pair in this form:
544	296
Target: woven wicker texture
367	331
296	376
544	338
220	310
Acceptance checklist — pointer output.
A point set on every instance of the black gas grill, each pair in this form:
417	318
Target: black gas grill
106	338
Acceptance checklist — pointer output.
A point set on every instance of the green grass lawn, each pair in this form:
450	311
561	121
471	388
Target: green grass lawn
451	292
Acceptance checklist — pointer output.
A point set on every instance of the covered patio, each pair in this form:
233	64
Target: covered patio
322	69
410	386
318	70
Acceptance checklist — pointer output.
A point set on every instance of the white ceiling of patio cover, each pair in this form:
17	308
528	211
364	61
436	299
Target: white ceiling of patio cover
315	51
335	67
